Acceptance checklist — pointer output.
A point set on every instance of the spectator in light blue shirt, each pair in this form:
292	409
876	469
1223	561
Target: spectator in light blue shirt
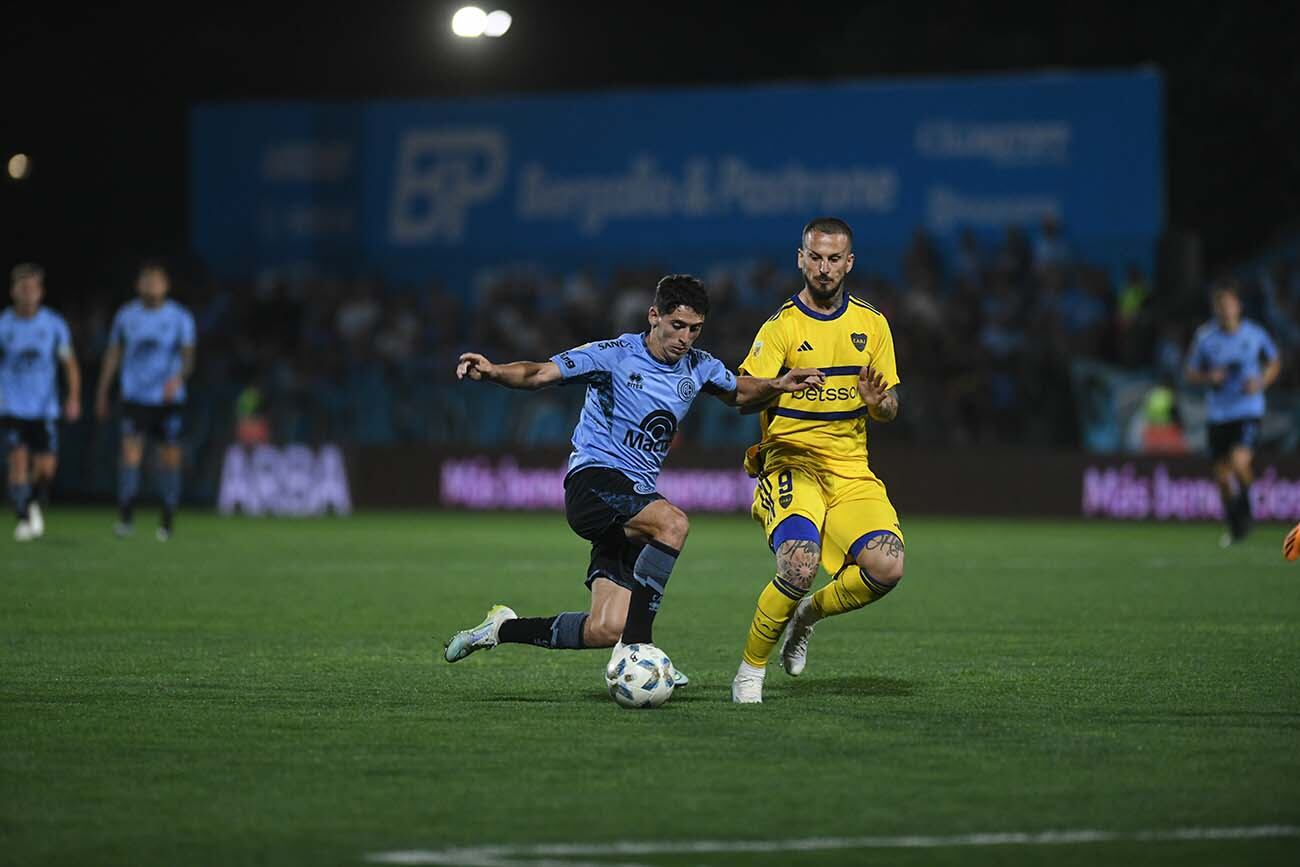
1238	361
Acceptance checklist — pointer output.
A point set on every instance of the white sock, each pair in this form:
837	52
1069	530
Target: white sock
751	670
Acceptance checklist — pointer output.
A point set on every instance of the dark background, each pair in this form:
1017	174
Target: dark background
97	96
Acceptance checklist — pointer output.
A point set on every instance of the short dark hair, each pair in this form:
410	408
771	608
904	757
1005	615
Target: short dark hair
829	226
154	265
25	270
681	290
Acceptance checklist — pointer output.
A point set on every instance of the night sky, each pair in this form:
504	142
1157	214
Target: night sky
98	96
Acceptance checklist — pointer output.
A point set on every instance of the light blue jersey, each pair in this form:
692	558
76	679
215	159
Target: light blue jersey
635	403
1239	355
151	341
30	351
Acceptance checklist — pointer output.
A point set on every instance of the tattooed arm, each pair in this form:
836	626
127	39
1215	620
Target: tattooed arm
882	402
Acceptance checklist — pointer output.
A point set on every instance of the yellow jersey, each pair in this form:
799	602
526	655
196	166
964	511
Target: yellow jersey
823	427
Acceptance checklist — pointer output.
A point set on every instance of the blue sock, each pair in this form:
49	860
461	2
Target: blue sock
20	496
169	487
128	485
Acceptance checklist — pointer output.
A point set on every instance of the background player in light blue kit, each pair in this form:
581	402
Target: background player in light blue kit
153	340
639	388
34	343
1238	361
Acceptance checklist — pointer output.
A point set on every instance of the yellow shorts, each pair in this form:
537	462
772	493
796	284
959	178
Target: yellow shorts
843	510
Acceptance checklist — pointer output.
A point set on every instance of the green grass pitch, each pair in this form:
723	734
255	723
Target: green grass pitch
267	692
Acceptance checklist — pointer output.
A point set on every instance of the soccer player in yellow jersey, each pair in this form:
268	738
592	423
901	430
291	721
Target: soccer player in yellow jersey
817	499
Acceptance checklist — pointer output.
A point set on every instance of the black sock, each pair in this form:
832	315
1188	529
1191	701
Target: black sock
1232	512
124	511
41	493
1242	508
167	516
561	632
654	565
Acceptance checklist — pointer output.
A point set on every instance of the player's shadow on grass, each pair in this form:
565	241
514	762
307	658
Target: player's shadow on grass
848	686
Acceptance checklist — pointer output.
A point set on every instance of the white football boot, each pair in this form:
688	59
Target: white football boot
481	637
23	532
36	519
794	652
747	688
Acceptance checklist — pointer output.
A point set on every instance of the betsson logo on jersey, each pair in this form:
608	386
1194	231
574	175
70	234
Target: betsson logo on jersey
826	395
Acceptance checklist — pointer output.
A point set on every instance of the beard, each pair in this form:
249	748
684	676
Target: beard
823	293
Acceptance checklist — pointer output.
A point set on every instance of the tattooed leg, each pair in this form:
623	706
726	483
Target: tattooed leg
796	566
876	568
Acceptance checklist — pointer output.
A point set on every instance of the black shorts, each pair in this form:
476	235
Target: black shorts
39	435
598	501
1228	435
162	422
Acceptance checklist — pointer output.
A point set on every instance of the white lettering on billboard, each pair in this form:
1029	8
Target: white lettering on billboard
731	187
440	175
1003	144
947	209
290	481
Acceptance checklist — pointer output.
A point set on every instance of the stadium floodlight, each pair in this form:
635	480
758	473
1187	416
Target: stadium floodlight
18	166
469	22
497	23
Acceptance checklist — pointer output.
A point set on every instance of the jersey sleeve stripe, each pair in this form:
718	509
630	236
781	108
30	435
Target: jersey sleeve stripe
861	303
808	415
850	370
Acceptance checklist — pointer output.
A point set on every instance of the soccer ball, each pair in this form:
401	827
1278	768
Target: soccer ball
639	676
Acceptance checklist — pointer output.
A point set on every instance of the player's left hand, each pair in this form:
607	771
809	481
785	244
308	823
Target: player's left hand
171	388
1252	385
72	409
872	387
801	378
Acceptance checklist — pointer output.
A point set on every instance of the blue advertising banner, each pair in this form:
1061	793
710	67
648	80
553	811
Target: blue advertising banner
408	188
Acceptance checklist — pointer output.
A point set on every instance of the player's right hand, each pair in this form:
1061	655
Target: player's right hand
473	366
1217	376
801	378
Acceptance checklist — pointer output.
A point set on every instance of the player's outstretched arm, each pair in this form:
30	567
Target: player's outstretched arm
754	392
881	401
529	375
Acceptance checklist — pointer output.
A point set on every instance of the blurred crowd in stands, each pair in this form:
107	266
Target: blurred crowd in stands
984	335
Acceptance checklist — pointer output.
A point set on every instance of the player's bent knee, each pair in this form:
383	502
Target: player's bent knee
887	570
880	555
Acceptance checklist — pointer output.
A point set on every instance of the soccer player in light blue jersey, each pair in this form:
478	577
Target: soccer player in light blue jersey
34	343
152	340
1237	360
639	388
